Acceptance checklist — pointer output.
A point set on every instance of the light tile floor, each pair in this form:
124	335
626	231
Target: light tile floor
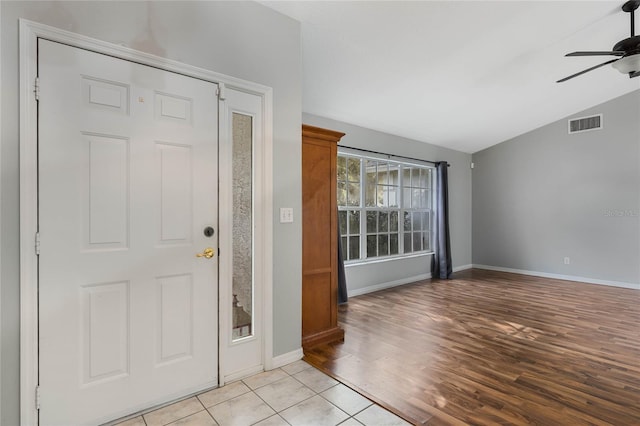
296	394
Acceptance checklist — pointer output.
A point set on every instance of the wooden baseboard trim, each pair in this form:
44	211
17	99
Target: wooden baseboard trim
335	334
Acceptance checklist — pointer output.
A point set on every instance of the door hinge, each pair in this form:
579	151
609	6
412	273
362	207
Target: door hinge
37	243
38	397
221	92
36	89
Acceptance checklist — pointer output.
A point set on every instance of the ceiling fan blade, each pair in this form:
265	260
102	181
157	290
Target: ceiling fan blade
634	74
587	70
597	53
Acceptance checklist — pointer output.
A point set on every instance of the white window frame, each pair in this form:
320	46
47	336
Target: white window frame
363	209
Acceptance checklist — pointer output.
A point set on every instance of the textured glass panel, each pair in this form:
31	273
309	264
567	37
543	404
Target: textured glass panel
242	171
417	241
371	222
353	169
354	222
342	194
353	194
417	221
393	221
407	221
408	248
383	222
426	197
383	245
342	168
343	241
342	221
372	241
393	244
354	247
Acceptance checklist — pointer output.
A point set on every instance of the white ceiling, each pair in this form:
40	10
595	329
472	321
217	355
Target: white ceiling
465	75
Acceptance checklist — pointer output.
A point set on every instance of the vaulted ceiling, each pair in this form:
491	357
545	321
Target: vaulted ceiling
465	75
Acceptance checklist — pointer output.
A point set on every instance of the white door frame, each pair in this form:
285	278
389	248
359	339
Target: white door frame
29	34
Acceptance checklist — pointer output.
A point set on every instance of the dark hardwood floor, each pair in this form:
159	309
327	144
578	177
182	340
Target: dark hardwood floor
489	348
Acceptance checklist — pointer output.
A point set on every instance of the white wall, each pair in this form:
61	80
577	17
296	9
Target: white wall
240	39
547	195
361	278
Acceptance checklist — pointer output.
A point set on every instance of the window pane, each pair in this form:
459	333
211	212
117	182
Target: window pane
371	245
393	221
408	248
417	221
383	222
407	221
342	168
415	177
353	196
342	222
393	175
354	247
393	244
383	245
426	223
406	176
383	199
342	194
370	186
353	170
343	241
417	241
426	245
406	198
354	222
383	174
371	222
424	173
426	198
416	199
393	196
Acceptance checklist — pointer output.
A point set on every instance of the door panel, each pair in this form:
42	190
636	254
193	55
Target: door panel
127	183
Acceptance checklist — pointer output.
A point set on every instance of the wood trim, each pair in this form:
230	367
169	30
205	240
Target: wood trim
334	334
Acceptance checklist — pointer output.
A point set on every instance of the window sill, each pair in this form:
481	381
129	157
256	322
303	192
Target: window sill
348	264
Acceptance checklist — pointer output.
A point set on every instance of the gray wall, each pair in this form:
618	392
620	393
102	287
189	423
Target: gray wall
240	39
546	195
360	277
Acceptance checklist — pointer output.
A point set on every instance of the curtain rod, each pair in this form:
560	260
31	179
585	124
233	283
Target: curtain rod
391	155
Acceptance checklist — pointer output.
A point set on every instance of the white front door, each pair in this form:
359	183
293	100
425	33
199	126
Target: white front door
127	175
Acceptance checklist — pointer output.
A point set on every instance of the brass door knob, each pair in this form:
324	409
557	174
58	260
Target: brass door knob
208	253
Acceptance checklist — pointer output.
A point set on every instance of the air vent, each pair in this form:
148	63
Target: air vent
585	124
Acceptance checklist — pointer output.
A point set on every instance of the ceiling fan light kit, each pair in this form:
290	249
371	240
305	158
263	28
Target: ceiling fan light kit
628	50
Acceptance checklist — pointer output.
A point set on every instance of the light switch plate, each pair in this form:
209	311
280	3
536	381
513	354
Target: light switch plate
286	215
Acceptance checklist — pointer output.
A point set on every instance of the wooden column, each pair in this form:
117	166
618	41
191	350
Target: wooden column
319	237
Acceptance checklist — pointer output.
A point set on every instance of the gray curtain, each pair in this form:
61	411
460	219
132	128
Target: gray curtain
342	279
441	263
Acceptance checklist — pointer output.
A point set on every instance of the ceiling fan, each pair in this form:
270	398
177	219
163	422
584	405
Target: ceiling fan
628	50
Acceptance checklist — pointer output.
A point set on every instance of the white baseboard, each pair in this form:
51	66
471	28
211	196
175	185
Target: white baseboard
382	286
287	358
462	268
635	286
